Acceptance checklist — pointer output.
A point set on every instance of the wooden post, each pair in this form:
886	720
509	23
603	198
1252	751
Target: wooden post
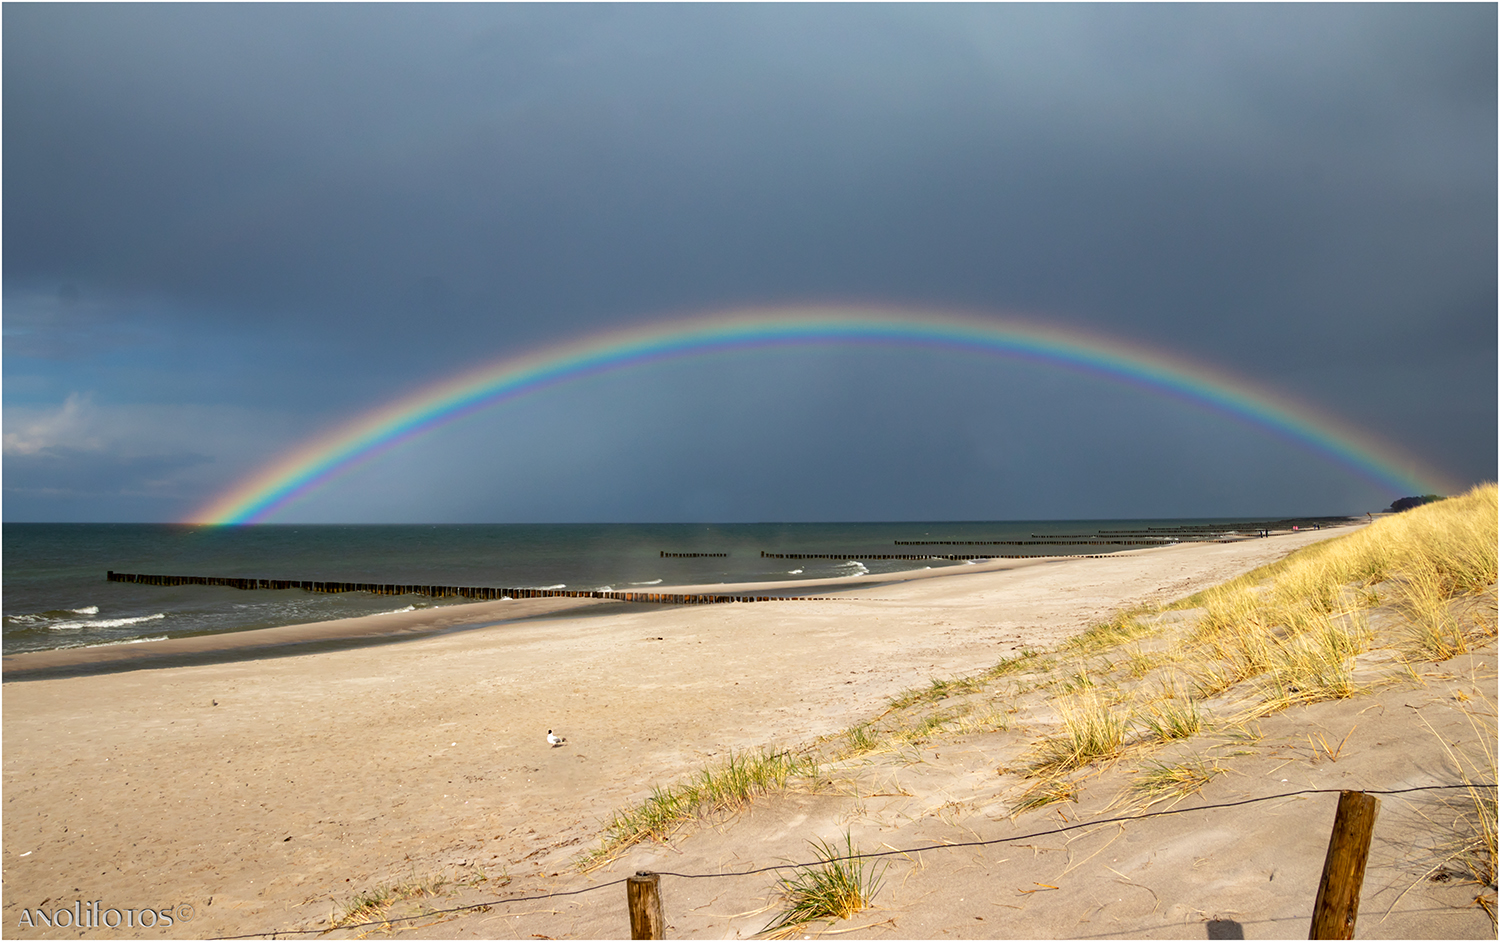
643	893
1337	905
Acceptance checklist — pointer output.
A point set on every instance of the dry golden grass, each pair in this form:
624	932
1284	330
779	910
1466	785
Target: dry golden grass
1316	666
1046	792
1457	535
1158	781
1172	717
372	905
1295	627
1125	626
1437	631
1093	729
1290	632
989	720
1468	823
728	786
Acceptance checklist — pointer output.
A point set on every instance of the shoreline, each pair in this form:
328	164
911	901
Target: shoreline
391	627
281	641
267	793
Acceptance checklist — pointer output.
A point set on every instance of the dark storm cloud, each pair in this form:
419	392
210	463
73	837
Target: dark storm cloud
1305	194
359	161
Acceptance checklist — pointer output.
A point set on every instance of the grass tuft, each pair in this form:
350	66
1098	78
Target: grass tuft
1172	719
859	740
1042	794
1317	666
1139	663
841	884
1160	780
1123	627
1092	729
936	690
371	905
728	786
1435	631
924	730
1029	658
989	721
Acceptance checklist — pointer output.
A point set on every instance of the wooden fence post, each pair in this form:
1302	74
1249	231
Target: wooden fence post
1337	905
643	893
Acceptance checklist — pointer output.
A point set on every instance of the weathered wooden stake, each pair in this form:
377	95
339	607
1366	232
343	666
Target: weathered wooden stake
643	893
1337	906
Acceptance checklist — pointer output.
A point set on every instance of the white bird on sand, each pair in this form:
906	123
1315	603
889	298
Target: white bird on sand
554	740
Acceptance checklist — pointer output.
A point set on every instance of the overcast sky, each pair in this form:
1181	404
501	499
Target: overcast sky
228	228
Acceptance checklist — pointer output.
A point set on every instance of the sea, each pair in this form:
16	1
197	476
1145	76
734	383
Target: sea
55	592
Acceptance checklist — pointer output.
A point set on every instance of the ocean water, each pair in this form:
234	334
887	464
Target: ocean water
55	594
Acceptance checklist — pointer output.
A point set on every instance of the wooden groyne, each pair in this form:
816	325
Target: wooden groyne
1153	536
957	557
477	593
1147	541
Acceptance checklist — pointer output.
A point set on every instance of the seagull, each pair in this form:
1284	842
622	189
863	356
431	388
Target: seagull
554	740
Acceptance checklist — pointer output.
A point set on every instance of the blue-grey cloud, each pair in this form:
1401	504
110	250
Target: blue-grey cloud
310	208
64	484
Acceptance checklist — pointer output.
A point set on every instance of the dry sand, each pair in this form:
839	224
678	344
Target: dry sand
264	794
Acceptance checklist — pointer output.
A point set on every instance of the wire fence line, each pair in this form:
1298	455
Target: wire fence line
469	907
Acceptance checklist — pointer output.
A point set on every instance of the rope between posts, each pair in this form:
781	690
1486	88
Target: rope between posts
884	853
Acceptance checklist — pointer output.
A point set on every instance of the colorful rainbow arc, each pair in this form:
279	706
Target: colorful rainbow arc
320	460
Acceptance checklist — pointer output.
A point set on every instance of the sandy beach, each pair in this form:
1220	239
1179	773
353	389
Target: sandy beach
264	793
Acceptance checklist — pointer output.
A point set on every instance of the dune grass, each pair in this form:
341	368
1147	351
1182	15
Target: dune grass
1124	626
1437	627
1292	630
841	884
726	786
1049	791
1295	626
1137	663
1456	537
371	905
1468	823
860	739
1157	781
1316	665
1289	632
935	691
1093	729
1028	659
1172	717
989	720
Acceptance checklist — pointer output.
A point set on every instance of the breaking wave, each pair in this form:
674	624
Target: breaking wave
106	644
104	622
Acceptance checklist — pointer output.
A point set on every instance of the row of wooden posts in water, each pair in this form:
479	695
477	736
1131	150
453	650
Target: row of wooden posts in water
478	593
1144	541
957	557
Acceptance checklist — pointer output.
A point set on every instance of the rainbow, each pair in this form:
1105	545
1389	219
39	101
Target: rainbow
320	460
